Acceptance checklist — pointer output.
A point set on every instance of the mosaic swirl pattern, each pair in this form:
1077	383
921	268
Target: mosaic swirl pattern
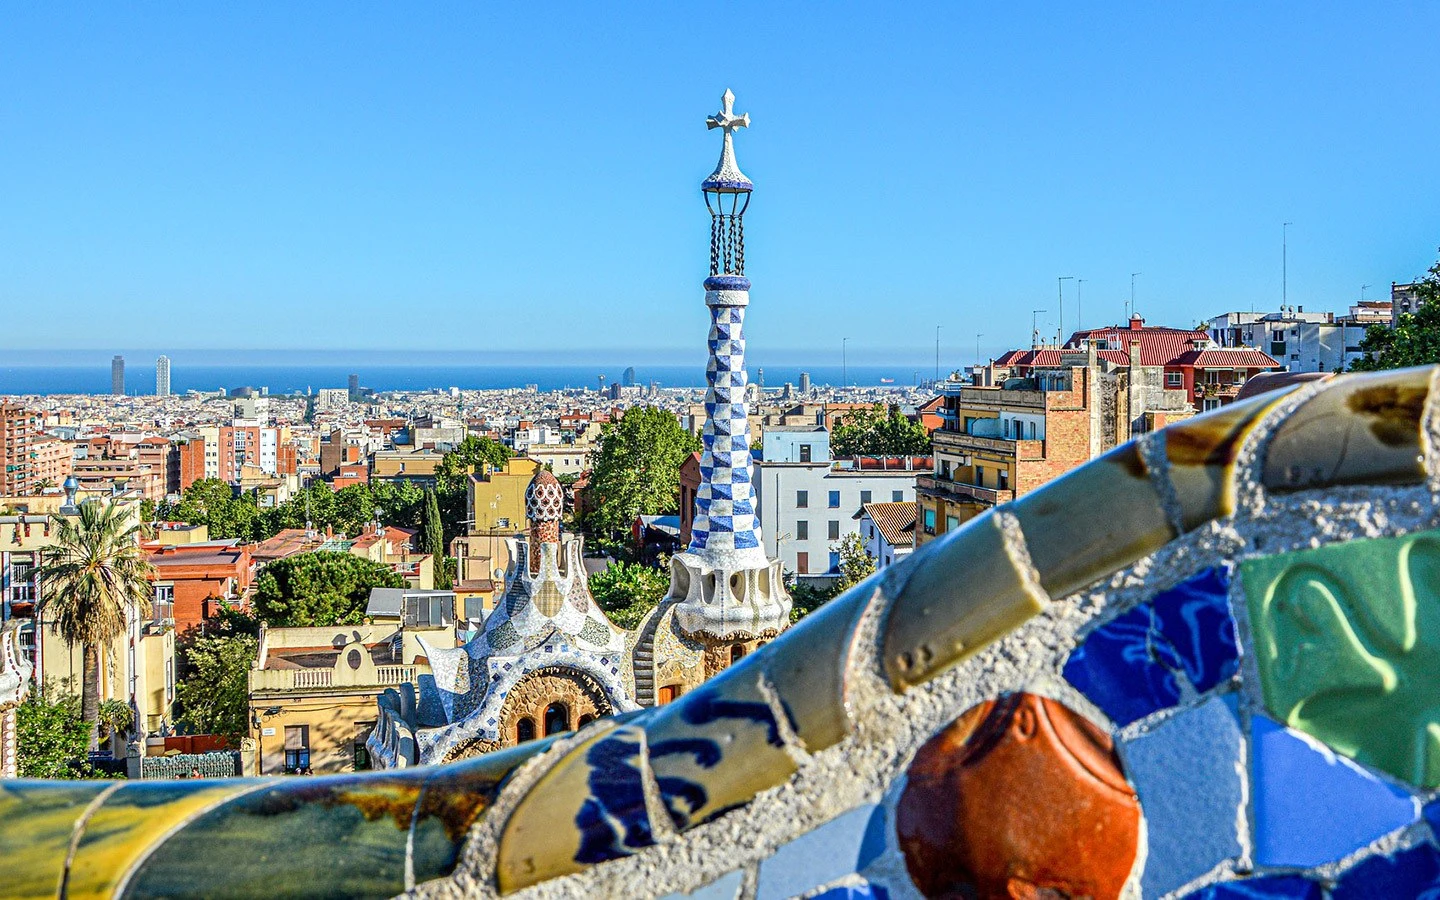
1202	666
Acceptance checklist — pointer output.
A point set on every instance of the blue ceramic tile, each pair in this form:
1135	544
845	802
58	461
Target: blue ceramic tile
826	853
1432	815
1312	807
726	887
865	891
1409	873
1289	887
1186	772
873	844
1131	666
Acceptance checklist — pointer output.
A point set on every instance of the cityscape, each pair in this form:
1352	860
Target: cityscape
1109	585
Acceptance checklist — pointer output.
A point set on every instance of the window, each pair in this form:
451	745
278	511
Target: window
834	500
802	499
802	530
945	469
737	653
524	730
834	561
1007	427
297	748
802	563
1174	379
979	477
897	496
804	452
1030	427
669	693
929	521
361	752
952	523
474	608
832	530
1004	479
557	718
865	497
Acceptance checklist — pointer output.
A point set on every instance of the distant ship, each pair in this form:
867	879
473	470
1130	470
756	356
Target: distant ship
887	381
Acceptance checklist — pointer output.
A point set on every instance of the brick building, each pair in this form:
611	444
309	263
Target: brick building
28	457
193	580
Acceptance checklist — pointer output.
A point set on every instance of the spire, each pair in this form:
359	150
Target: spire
727	175
544	505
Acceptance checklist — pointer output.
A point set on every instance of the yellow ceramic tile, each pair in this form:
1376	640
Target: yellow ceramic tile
1090	523
1202	453
133	821
1361	429
37	819
964	592
588	808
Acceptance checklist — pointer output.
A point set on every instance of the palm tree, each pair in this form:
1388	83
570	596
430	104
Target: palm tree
91	573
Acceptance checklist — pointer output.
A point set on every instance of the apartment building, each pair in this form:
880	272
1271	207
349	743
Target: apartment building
1302	341
29	458
808	501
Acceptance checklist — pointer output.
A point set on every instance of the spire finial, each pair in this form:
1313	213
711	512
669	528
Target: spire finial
727	175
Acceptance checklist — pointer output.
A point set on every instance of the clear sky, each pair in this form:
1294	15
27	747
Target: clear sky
496	177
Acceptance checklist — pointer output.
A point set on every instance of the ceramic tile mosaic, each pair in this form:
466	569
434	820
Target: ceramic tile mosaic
1183	641
1245	710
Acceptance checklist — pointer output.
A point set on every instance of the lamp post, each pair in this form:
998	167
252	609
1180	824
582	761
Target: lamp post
1060	288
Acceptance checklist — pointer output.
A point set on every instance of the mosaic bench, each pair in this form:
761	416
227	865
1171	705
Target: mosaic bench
1205	665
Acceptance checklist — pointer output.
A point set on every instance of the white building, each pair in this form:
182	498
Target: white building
332	398
888	530
162	377
1302	341
807	507
563	459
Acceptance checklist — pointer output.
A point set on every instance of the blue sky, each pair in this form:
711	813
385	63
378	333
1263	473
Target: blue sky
507	177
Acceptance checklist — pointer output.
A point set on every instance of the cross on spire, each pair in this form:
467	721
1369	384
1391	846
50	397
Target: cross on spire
726	117
727	175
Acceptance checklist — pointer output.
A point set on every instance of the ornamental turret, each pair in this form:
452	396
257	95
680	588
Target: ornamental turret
728	589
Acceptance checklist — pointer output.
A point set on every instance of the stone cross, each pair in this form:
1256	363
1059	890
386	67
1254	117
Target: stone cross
726	117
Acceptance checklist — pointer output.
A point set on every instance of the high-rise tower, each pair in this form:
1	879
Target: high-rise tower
162	377
730	592
117	376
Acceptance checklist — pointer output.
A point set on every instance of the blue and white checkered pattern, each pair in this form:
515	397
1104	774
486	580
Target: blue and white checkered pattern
725	504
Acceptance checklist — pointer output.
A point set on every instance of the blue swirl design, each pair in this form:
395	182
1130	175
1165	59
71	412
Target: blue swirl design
1132	665
613	821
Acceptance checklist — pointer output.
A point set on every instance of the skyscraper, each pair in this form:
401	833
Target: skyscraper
162	376
730	594
627	379
117	376
354	386
804	384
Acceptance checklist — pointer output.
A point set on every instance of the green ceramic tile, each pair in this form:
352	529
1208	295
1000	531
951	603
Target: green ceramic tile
963	592
326	836
37	819
1093	521
1361	429
1347	638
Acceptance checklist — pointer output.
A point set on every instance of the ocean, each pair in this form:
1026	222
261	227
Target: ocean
288	378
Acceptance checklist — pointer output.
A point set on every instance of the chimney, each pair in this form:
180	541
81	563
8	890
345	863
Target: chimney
1134	353
1136	323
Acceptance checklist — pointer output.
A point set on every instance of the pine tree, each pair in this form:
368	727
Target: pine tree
431	525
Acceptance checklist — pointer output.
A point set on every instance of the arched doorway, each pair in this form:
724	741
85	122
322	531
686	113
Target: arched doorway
557	718
524	730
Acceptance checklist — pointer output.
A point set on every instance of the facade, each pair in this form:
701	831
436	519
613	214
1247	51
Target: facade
563	459
399	465
29	458
888	531
194	580
243	449
117	376
809	507
1404	299
162	376
312	691
496	497
1301	341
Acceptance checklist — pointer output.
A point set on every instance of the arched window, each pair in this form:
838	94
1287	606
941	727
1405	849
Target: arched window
584	720
557	718
524	730
736	652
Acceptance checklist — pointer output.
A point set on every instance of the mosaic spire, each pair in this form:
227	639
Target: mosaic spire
726	530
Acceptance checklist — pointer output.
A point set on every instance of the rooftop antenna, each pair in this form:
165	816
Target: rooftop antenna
1034	329
1079	325
1362	292
1285	263
1131	311
937	353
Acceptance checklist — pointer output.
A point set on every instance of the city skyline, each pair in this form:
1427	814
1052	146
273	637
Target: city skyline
375	162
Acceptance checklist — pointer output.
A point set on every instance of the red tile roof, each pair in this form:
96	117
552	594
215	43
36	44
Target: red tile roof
896	521
1226	358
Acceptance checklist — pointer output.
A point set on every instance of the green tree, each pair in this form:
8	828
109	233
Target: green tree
628	591
115	718
637	469
878	432
856	564
318	589
1415	339
51	738
212	502
93	572
214	694
432	531
805	598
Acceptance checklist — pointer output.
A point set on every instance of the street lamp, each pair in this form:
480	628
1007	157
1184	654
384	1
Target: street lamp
1060	288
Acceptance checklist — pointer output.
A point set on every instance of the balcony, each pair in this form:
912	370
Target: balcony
941	487
312	679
